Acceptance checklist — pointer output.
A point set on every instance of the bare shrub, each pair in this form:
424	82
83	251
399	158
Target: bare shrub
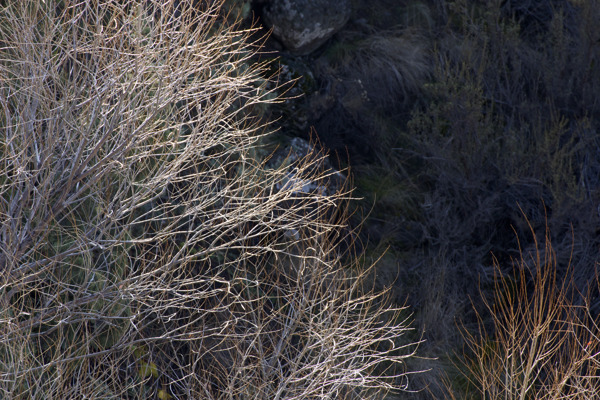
542	342
146	249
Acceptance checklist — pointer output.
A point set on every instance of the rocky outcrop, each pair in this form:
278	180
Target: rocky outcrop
295	155
304	25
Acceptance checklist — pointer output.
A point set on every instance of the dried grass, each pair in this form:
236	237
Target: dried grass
543	341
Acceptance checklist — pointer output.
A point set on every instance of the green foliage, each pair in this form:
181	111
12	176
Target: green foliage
505	125
496	126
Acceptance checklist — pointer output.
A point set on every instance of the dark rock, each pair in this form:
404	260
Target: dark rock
294	156
304	25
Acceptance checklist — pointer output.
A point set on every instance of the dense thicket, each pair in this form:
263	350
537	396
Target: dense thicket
463	120
146	248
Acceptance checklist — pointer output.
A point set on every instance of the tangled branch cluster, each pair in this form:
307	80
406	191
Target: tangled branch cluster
545	340
145	246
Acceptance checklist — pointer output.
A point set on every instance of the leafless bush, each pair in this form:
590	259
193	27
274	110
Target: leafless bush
543	343
146	249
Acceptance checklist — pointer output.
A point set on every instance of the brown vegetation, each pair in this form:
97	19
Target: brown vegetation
146	249
544	337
